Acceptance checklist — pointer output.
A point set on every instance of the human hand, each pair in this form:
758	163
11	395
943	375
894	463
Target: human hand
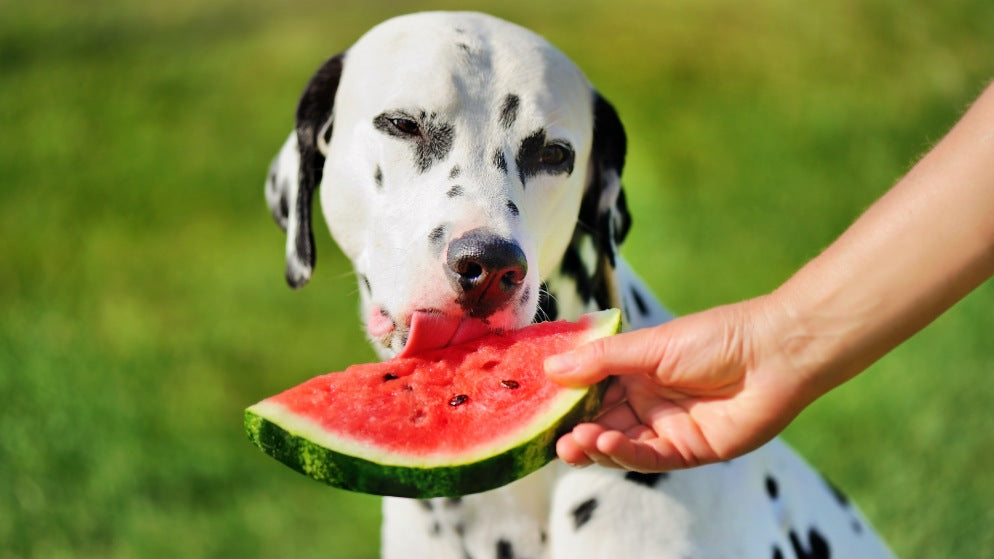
714	385
702	388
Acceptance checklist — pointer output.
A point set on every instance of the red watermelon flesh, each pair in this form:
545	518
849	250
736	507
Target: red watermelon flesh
448	421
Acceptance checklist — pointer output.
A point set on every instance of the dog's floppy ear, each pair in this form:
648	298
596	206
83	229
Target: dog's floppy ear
295	173
603	209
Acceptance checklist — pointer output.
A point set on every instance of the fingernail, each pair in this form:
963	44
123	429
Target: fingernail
561	364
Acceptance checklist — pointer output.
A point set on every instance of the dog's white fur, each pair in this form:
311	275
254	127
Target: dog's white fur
384	197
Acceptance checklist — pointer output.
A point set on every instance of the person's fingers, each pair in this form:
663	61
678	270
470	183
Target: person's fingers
638	351
637	450
620	417
570	452
644	453
585	438
614	395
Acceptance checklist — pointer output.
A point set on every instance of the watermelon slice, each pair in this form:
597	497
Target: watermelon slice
452	421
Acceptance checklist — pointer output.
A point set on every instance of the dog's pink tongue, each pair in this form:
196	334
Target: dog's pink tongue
433	331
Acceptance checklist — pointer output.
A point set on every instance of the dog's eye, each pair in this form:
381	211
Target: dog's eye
554	155
406	126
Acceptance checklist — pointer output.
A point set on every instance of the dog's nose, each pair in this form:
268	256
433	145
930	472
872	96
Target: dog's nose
485	270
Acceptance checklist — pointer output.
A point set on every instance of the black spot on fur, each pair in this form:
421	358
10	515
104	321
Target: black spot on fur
504	549
327	134
640	303
454	172
378	177
583	513
499	161
648	480
281	190
622	217
525	295
572	266
436	146
436	238
365	283
772	489
817	547
536	156
284	208
452	502
431	140
610	224
455	191
509	110
426	504
464	47
610	142
314	110
837	493
436	529
513	208
547	308
527	159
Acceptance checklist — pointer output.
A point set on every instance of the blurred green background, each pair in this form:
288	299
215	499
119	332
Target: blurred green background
141	277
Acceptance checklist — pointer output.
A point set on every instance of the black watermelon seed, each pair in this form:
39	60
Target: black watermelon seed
390	376
512	384
458	400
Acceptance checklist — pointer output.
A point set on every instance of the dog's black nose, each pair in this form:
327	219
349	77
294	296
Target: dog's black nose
485	270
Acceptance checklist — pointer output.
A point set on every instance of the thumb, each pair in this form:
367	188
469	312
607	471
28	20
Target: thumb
635	352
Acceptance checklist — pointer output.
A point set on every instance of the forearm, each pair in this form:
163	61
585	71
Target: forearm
909	257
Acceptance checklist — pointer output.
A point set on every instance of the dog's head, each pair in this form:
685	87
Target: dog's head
456	154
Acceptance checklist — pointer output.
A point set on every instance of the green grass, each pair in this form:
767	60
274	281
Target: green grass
143	299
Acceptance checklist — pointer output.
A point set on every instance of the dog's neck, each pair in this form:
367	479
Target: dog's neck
583	282
593	276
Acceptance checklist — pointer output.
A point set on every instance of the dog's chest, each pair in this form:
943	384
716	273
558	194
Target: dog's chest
768	503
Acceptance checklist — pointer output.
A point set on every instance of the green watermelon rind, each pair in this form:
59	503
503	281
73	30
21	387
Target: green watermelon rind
296	443
358	474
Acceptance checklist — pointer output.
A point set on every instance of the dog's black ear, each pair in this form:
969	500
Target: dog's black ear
295	173
603	209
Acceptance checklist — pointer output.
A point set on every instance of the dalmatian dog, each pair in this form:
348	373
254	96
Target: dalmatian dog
471	174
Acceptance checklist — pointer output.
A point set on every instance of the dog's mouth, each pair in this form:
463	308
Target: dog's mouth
433	330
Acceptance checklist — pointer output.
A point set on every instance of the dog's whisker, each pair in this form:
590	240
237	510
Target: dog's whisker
541	313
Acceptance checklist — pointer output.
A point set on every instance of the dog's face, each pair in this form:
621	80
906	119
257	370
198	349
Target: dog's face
453	153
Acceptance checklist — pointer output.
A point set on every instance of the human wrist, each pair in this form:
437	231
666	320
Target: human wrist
803	344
